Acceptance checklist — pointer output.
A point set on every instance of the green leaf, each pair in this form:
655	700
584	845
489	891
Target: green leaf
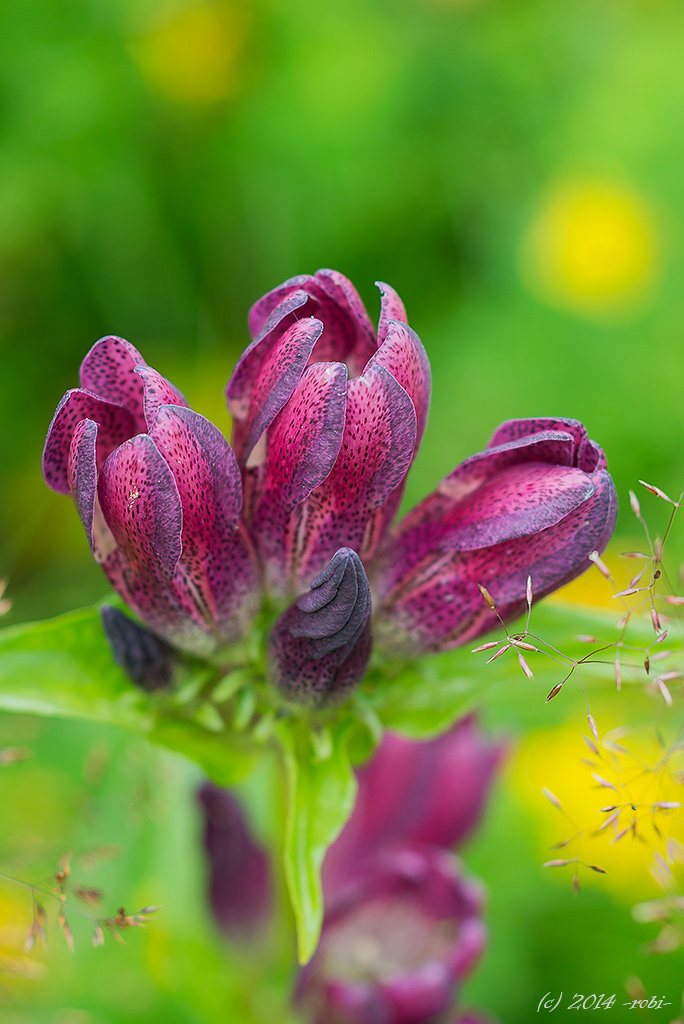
320	797
63	667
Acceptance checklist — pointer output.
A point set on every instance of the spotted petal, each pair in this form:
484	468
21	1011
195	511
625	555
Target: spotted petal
348	334
303	444
157	391
436	603
142	507
586	453
402	353
377	448
116	424
108	370
265	378
216	572
391	308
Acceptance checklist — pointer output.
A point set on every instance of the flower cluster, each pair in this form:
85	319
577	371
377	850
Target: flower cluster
328	414
403	925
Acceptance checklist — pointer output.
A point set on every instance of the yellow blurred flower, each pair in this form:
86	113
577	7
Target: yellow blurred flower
191	55
15	917
592	247
620	806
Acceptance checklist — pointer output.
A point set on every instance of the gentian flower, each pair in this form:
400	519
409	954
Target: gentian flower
159	493
427	792
396	942
403	927
328	414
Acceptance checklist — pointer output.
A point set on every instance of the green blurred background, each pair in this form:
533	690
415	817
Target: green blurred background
514	170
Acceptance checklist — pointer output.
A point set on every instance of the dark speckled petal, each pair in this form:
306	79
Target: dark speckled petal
142	508
265	378
586	453
115	423
82	472
402	353
147	660
108	370
391	308
319	647
348	334
216	572
378	443
157	391
337	607
303	444
522	507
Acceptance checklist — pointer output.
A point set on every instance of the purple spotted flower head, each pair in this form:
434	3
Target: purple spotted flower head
328	413
159	492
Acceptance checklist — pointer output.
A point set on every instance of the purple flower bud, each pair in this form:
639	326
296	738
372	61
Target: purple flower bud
396	942
431	792
146	660
535	503
239	877
159	492
319	647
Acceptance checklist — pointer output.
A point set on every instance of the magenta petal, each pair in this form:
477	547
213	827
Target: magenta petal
377	449
348	334
434	524
115	425
281	305
438	604
421	994
391	308
216	573
353	1002
319	647
305	438
550	446
265	378
519	501
142	508
399	937
157	391
82	473
587	454
303	443
108	370
205	470
402	353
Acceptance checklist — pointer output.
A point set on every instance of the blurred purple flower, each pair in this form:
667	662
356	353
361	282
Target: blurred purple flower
239	876
430	792
328	415
396	943
402	927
